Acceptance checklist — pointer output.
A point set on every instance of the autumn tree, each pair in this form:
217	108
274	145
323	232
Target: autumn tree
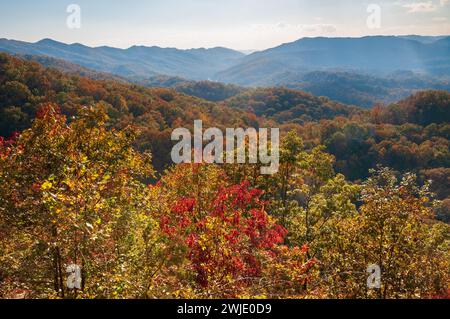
220	241
70	194
395	231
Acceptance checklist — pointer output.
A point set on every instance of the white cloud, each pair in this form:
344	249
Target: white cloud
440	19
415	7
444	2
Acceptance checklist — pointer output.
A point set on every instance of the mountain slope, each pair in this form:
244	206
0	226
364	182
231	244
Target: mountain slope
380	55
411	135
289	106
134	61
207	90
25	86
360	71
363	89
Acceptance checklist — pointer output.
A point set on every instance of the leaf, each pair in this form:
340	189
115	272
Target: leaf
46	186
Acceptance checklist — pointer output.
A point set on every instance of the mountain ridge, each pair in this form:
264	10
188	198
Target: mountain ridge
136	60
322	66
412	52
380	54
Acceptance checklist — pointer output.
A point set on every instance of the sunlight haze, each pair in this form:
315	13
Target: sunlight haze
241	25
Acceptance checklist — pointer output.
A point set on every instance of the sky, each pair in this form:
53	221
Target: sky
236	24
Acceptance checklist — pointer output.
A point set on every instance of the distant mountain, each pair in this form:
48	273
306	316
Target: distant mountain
423	39
155	110
142	61
71	68
378	55
207	90
247	52
360	71
363	89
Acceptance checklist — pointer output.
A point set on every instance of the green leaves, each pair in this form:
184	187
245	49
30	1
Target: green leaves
73	185
73	193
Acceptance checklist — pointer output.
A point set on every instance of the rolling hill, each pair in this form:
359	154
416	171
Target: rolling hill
410	135
378	55
360	71
134	61
289	106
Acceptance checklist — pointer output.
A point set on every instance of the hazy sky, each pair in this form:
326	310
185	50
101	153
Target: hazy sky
238	24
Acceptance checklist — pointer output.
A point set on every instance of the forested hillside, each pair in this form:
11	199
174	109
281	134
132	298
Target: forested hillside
374	54
24	86
361	71
208	90
409	135
364	89
86	179
285	105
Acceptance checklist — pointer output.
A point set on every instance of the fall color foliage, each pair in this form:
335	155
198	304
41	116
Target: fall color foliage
85	181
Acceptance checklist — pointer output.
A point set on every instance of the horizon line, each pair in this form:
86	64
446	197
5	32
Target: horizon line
224	47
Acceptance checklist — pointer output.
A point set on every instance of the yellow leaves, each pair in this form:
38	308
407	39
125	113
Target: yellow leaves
106	178
46	185
203	239
98	206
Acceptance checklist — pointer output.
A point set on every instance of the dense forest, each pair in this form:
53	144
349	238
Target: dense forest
86	179
364	89
284	105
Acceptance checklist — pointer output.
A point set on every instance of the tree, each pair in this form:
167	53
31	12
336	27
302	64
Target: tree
394	230
220	242
71	194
